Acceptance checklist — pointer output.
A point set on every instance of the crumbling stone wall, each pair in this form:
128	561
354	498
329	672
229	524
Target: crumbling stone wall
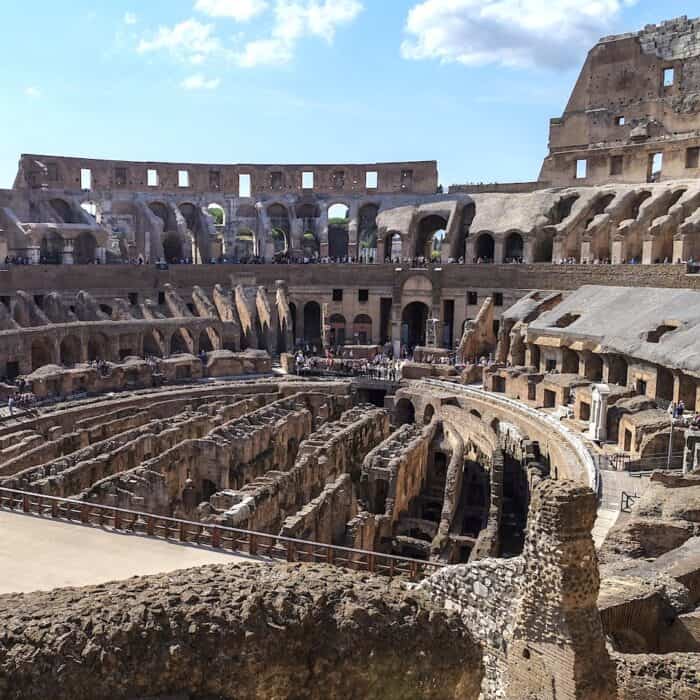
245	632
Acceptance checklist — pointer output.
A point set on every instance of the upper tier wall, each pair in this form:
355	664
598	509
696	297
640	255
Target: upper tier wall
59	172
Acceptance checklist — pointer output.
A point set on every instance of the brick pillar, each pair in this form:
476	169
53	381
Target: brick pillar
558	646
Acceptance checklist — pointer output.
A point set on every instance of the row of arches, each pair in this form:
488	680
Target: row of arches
72	350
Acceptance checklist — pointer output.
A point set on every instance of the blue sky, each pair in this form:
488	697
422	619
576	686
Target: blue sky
471	83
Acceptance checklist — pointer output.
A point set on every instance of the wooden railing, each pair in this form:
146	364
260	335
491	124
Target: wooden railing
217	537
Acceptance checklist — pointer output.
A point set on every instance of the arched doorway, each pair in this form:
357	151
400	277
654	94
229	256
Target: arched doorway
97	348
362	329
514	248
85	249
153	344
485	248
432	232
205	344
279	228
405	412
414	321
312	324
180	342
41	353
337	323
368	233
172	248
338	221
428	413
70	351
51	249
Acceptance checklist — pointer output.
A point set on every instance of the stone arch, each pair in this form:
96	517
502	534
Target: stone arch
98	347
153	343
85	249
70	351
245	244
162	211
459	242
362	329
280	227
367	232
338	230
431	234
312	324
41	353
514	247
393	246
414	321
181	342
218	213
485	248
544	247
204	343
338	329
51	249
405	412
173	250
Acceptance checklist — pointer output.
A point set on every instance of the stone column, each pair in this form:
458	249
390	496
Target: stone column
617	253
68	252
353	230
323	231
585	251
598	427
499	247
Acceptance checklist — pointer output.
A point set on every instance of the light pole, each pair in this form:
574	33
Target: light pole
670	443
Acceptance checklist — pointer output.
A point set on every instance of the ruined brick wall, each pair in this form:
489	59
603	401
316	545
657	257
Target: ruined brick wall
245	632
536	615
60	172
623	77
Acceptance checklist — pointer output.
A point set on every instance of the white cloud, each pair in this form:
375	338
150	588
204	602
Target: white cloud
33	92
189	40
199	82
295	20
517	33
239	10
265	52
130	18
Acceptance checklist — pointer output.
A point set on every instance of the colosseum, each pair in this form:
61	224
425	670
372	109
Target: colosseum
333	431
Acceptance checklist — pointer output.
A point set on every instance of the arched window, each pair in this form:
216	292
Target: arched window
362	329
485	248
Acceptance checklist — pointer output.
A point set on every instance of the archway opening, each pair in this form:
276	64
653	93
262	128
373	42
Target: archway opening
338	221
153	344
368	233
337	330
485	248
51	249
64	211
414	321
312	324
216	211
97	348
514	248
428	414
205	344
432	232
405	412
163	213
180	342
41	354
279	228
70	351
617	370
362	329
172	248
244	246
85	249
569	361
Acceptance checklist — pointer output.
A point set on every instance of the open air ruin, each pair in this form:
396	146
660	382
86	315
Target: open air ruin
509	508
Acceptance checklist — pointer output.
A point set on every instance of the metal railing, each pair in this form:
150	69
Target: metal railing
217	537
